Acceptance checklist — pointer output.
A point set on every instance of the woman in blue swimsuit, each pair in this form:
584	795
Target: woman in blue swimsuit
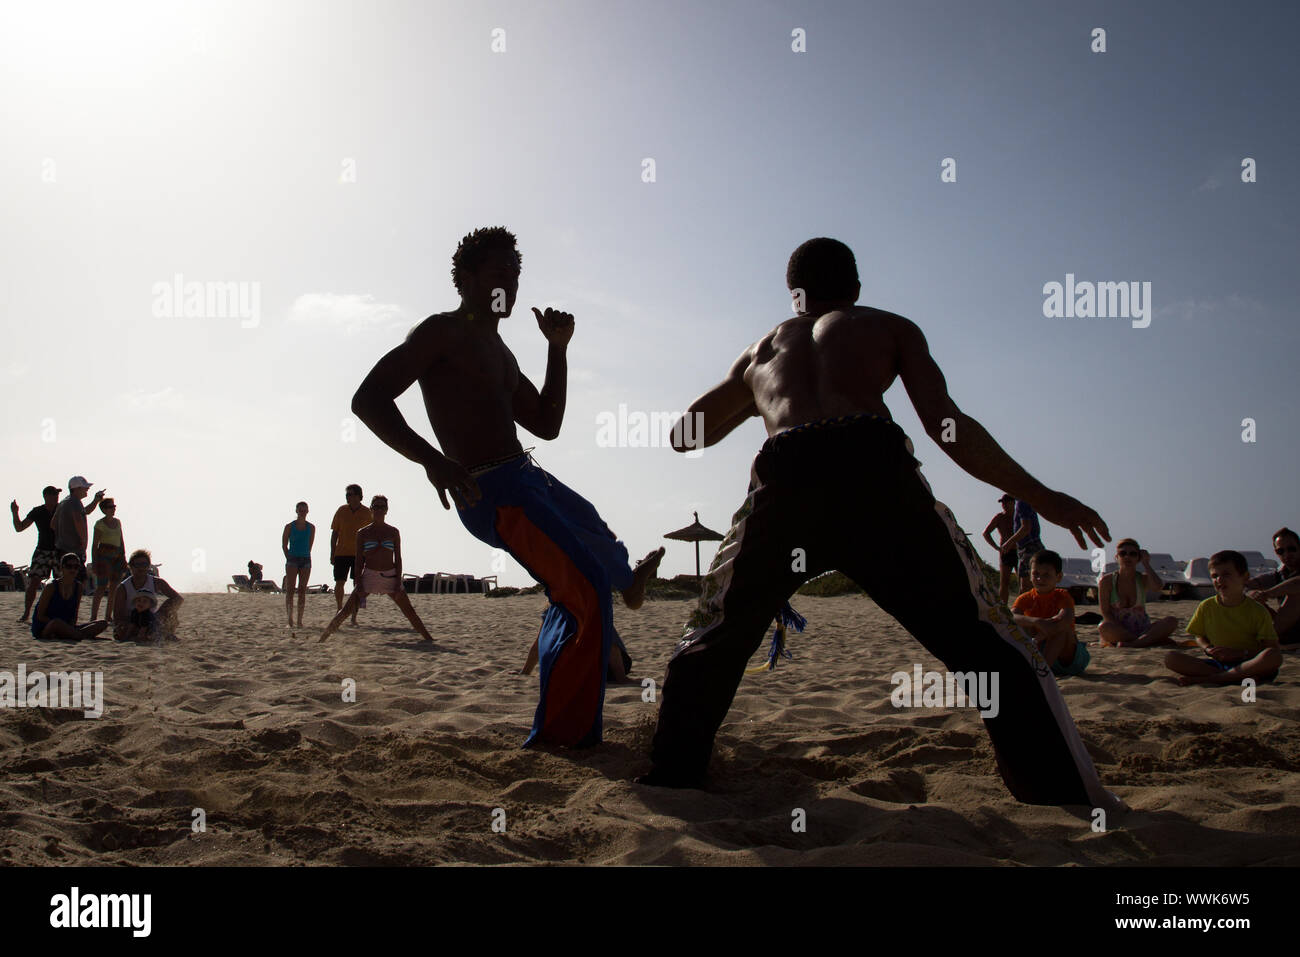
298	538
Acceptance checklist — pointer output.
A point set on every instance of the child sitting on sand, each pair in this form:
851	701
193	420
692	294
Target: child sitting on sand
143	623
1047	614
1235	631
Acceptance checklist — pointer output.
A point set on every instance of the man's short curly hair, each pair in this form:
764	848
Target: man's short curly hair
824	269
472	250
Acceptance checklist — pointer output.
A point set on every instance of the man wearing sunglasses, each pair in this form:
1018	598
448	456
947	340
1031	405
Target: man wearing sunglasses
1283	584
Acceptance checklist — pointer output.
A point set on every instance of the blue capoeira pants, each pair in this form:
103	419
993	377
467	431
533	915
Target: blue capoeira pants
560	539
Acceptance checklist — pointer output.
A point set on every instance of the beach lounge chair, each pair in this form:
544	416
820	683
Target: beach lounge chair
1078	578
410	583
1170	572
427	582
447	582
241	583
1197	578
1257	564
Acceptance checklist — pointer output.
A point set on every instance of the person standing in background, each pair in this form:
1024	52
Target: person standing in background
349	519
45	557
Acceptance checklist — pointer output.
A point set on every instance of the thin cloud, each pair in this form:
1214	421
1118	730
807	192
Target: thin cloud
347	311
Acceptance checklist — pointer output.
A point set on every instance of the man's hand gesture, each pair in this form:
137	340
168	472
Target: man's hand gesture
1071	514
448	476
556	326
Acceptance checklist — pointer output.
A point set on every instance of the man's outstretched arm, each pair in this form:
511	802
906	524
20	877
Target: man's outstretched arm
715	414
374	404
972	448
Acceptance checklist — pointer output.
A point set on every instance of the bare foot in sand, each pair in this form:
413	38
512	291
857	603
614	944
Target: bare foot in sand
634	594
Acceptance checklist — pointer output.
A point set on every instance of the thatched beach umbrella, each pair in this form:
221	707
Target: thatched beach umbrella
695	533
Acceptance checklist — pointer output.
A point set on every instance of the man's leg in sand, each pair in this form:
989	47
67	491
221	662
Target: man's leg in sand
955	615
1004	584
403	602
340	580
349	608
34	586
750	578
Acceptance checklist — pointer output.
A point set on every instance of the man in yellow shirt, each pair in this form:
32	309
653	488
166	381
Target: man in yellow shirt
348	520
1235	631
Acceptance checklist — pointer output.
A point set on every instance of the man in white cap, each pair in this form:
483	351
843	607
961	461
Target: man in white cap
71	533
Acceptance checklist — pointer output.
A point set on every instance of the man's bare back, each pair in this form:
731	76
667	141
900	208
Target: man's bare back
839	360
819	367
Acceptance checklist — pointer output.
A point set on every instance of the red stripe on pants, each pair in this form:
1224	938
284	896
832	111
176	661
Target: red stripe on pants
573	690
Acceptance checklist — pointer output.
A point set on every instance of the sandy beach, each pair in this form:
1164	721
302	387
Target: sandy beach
247	721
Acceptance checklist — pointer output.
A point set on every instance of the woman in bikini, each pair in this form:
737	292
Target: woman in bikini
1123	601
379	570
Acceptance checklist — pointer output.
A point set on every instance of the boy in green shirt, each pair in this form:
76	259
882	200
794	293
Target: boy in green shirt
1235	631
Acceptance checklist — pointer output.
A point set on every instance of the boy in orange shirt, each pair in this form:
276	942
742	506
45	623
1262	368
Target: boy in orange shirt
1047	613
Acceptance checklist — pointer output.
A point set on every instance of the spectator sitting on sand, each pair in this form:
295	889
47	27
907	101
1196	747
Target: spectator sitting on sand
55	615
141	581
1235	631
1047	613
1286	620
1122	594
143	623
378	551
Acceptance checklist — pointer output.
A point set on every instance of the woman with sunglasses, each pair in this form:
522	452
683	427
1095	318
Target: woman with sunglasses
1122	593
1284	584
55	616
379	570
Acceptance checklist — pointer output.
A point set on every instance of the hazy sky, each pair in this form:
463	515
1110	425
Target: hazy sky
326	158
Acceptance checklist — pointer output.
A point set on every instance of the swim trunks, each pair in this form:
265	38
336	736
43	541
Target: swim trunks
345	565
561	540
827	491
1025	552
1077	665
300	561
1224	667
1009	560
44	561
